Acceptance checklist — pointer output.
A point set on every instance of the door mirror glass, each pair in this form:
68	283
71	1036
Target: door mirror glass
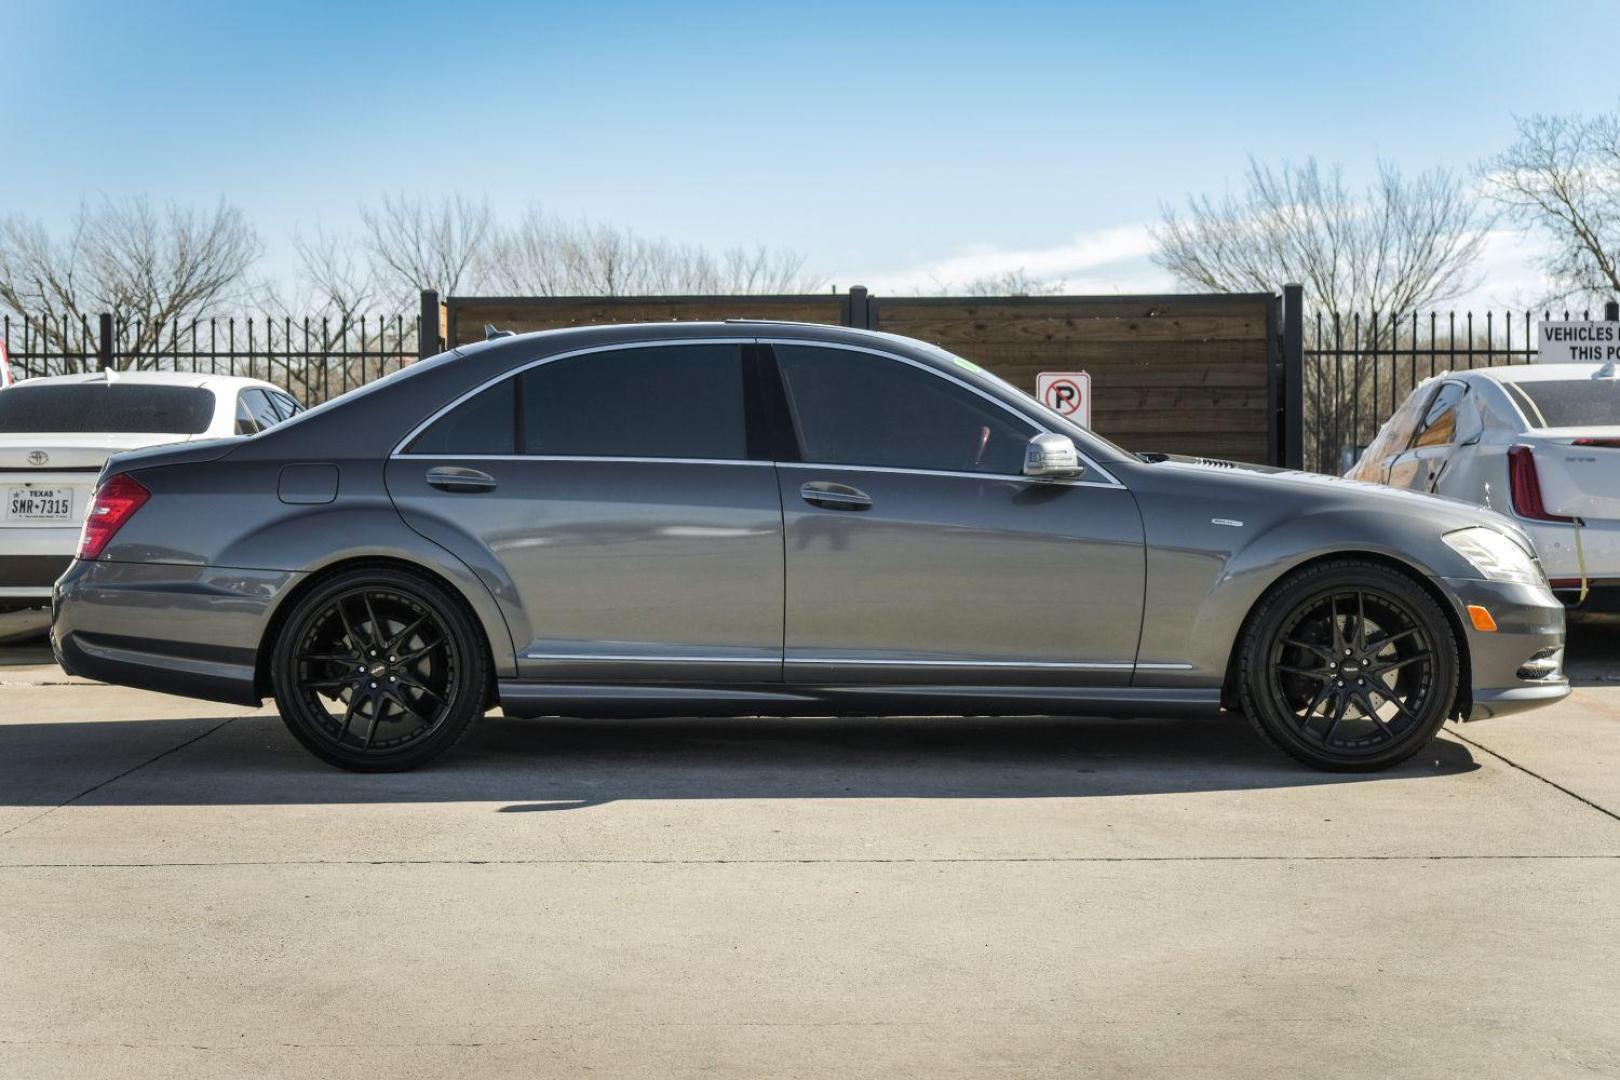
1052	457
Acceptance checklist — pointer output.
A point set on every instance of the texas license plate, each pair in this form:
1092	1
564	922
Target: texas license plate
39	504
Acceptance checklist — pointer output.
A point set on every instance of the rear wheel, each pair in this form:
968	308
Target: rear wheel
1348	665
379	670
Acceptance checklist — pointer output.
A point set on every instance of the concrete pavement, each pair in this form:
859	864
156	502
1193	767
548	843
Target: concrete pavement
184	892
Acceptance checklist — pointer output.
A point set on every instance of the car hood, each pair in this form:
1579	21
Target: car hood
1305	491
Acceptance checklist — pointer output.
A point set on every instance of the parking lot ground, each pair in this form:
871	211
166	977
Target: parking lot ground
185	893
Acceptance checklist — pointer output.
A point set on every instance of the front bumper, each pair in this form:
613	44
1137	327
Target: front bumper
176	629
1529	621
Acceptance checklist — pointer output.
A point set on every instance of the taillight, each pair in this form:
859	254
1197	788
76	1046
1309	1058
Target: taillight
116	502
1525	486
1609	444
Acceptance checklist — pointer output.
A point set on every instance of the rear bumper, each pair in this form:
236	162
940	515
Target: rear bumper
188	630
32	561
1529	623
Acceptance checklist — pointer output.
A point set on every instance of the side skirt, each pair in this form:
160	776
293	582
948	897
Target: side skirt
528	698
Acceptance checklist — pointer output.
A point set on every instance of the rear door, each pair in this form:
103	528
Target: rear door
918	552
612	503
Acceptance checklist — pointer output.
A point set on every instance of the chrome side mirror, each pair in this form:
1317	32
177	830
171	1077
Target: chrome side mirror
1052	457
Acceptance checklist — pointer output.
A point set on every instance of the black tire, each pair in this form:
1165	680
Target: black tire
1348	665
354	702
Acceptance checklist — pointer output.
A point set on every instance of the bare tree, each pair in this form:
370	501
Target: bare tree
151	269
545	256
1017	282
1399	245
1561	177
416	243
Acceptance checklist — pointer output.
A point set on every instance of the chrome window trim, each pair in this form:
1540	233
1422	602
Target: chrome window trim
1039	427
512	373
590	458
1006	477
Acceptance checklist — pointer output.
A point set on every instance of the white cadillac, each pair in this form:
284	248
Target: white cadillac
57	432
1538	441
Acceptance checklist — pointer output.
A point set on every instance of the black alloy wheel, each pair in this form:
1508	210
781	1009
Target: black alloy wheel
379	670
1349	665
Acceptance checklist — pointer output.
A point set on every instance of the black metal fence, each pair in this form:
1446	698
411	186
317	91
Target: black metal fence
314	358
1357	371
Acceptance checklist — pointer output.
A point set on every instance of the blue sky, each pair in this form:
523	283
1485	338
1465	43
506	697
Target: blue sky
891	143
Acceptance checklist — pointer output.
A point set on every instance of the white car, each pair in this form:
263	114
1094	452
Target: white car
57	432
1538	441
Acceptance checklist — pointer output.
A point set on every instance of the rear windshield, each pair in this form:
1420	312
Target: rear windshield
97	407
1568	402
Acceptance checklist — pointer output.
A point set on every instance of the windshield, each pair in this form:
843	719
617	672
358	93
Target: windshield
1568	402
85	408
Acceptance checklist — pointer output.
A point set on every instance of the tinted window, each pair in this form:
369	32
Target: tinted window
677	401
1568	402
245	423
1440	419
852	408
480	425
286	407
91	407
258	403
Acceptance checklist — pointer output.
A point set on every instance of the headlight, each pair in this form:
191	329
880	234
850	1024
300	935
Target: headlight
1496	555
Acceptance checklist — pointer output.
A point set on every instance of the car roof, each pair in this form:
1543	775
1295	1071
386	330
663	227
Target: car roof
1518	373
203	380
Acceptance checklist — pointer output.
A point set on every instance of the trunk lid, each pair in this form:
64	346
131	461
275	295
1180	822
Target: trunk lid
1579	470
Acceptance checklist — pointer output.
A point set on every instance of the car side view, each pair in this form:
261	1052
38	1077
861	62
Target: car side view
750	518
1540	442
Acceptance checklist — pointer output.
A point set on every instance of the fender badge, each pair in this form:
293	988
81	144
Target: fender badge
1226	521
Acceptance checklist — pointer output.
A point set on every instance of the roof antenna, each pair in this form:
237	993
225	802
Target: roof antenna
491	333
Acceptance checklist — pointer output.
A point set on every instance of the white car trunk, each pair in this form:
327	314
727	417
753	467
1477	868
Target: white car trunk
48	479
1576	480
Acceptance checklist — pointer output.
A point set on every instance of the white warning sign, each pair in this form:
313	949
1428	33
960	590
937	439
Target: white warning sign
1067	393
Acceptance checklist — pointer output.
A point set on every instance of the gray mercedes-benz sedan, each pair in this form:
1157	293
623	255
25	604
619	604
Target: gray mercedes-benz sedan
752	518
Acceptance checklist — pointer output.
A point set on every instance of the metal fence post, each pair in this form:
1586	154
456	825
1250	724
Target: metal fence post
104	343
857	308
428	341
1293	357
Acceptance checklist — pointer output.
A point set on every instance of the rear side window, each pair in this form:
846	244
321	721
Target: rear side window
1440	419
1568	402
852	408
99	407
675	401
481	425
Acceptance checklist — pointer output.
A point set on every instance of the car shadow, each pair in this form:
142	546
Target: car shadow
545	765
1592	650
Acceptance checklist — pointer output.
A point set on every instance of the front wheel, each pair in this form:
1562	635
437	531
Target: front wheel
1348	665
378	670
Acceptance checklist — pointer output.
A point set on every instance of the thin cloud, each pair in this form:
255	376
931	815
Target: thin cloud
1111	260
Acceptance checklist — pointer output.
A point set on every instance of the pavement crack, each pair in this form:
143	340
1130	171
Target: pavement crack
115	778
1577	796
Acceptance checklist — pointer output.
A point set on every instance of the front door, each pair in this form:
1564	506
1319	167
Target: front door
917	551
610	502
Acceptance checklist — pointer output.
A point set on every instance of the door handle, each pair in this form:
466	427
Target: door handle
834	496
454	478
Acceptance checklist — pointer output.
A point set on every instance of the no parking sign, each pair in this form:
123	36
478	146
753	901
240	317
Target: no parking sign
1067	393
